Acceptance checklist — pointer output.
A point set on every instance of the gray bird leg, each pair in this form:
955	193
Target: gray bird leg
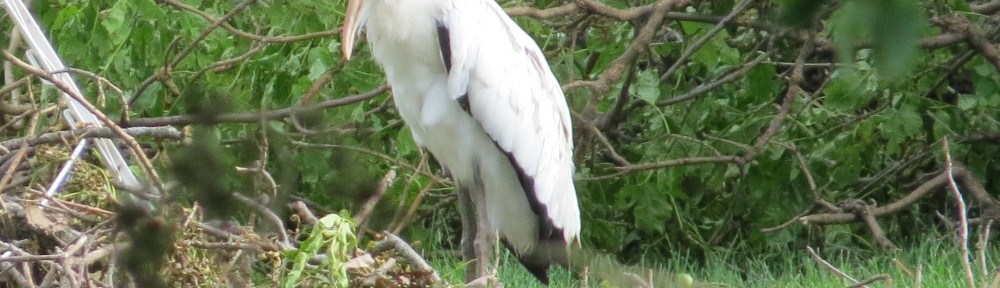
485	235
467	211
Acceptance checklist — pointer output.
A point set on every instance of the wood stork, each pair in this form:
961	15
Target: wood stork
477	93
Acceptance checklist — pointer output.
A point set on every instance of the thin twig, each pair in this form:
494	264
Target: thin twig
873	279
982	245
677	162
787	223
7	175
413	208
732	75
270	216
863	211
963	221
362	216
261	172
786	104
829	266
256	117
303	212
737	9
226	245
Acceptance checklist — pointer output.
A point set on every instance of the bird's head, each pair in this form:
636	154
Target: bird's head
350	28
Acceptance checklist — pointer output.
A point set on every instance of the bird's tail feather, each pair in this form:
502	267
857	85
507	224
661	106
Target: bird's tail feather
542	256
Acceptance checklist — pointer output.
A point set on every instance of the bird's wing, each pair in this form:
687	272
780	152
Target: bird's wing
500	76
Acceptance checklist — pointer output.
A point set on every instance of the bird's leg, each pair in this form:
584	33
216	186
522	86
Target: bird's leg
485	235
467	211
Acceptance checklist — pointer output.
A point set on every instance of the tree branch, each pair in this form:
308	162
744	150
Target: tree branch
165	132
960	172
255	117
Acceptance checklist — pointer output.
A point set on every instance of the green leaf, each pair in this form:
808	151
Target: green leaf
900	125
967	102
320	58
762	84
651	212
148	10
648	86
404	141
910	120
942	124
845	91
115	22
989	89
67	15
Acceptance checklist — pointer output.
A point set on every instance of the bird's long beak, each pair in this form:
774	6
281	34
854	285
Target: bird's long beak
350	28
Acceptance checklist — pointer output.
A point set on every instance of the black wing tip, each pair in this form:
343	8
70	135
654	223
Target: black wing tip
444	41
542	257
541	272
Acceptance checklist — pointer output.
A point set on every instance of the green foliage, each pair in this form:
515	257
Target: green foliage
332	237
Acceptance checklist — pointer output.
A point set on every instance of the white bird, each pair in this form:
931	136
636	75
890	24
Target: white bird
477	93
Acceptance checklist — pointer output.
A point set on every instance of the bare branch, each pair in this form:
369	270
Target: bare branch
880	277
963	219
733	75
829	266
362	216
959	24
786	104
986	8
303	212
165	132
921	191
682	161
392	241
981	246
256	117
863	211
269	215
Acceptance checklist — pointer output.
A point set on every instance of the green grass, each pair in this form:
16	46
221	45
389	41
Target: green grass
939	259
511	273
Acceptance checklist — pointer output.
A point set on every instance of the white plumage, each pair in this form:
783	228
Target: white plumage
477	92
